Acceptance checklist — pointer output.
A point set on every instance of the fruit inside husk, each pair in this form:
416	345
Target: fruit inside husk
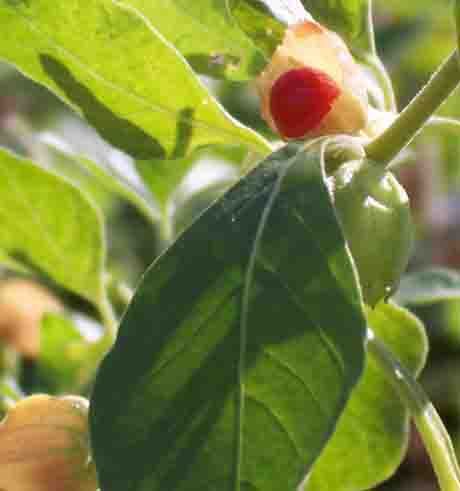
374	211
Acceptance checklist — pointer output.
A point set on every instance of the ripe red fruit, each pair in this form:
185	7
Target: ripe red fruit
312	86
300	99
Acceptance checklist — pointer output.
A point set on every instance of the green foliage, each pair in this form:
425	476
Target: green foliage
371	203
245	358
49	225
67	359
259	22
428	287
116	70
264	20
163	178
205	35
221	348
375	420
348	17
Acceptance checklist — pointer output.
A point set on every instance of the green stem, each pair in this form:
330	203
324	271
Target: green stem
370	57
124	293
399	134
252	158
109	321
165	231
427	420
448	123
370	35
384	80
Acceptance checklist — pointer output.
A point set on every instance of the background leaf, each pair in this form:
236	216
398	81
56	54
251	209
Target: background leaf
195	395
428	287
50	226
347	17
67	358
121	187
113	67
264	21
205	35
162	181
457	19
260	22
373	429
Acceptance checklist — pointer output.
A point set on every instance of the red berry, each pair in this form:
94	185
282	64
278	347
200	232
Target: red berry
300	99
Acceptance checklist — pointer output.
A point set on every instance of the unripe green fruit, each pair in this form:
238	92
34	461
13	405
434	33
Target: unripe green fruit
374	212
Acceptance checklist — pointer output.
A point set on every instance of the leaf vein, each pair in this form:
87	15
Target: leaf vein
292	372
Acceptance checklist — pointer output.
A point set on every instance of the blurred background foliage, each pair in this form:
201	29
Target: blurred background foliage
412	38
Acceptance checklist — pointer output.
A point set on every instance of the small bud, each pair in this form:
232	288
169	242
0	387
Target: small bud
44	446
312	86
22	306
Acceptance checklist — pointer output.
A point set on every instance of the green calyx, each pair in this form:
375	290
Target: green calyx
374	212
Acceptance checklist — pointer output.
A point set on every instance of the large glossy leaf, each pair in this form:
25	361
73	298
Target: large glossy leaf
373	429
428	287
115	68
224	377
48	224
205	35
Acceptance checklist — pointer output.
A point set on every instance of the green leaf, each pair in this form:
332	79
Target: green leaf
122	188
189	206
428	287
48	225
264	21
72	153
371	436
347	17
231	368
67	359
205	35
112	66
164	177
261	23
9	263
457	19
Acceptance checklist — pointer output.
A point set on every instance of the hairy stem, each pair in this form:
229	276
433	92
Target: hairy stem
435	437
398	135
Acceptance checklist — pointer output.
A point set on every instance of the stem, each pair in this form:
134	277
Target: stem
250	161
370	35
109	321
165	230
427	420
448	123
398	135
370	57
124	293
384	80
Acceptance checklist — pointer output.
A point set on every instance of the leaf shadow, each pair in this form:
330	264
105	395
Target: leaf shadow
116	130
